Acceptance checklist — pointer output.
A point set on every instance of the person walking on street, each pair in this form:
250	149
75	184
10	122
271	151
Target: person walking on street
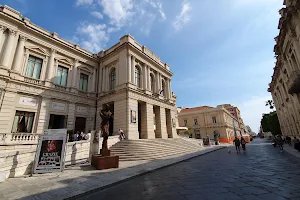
280	142
121	134
243	141
237	144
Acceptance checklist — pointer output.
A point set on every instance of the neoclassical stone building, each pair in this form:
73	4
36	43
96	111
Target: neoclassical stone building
206	121
285	84
47	82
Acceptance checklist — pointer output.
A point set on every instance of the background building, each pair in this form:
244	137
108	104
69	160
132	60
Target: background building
205	121
47	82
285	84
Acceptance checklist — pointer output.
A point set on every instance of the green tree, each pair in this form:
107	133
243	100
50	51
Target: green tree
270	103
270	123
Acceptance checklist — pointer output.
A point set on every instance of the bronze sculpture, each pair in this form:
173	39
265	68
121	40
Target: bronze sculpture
106	116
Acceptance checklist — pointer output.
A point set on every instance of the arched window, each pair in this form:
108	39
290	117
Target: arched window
163	87
112	78
152	82
137	76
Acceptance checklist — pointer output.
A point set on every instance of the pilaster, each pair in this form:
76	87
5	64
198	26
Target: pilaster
147	123
50	69
44	115
129	68
71	116
18	57
7	53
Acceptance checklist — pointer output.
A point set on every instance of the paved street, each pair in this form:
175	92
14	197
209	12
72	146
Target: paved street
261	173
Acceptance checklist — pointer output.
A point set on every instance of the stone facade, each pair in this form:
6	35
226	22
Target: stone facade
285	85
205	121
47	82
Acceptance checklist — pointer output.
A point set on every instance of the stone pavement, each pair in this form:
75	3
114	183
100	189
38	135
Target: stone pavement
291	150
262	173
81	179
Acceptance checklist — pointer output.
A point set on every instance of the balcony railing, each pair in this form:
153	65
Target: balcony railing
293	83
32	80
60	87
18	138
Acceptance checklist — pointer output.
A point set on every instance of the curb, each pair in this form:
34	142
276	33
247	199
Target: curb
138	175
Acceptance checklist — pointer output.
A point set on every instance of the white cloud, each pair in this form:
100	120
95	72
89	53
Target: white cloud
157	5
183	16
83	2
118	11
252	110
97	14
93	36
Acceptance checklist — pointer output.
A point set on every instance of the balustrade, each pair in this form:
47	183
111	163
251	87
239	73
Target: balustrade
32	80
18	138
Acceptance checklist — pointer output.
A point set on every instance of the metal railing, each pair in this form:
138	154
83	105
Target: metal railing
18	138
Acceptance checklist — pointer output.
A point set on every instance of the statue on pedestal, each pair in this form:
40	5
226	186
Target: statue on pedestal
106	116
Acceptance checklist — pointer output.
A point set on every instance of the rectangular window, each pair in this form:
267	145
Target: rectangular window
83	84
34	66
23	122
61	76
185	123
214	120
195	122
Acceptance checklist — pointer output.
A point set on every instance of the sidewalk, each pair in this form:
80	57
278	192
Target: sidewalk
78	180
291	150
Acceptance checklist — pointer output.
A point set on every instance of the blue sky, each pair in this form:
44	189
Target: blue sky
220	51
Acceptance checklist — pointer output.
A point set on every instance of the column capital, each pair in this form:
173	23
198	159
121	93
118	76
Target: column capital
52	51
12	32
76	61
23	38
2	28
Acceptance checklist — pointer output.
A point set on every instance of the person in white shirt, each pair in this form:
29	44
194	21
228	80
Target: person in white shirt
122	135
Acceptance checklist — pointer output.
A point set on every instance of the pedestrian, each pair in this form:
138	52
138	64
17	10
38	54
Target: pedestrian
237	144
280	142
243	142
121	134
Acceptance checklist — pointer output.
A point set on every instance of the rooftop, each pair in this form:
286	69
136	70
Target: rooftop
194	109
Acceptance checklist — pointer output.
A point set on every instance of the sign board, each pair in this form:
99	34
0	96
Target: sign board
81	109
50	154
58	106
27	101
55	132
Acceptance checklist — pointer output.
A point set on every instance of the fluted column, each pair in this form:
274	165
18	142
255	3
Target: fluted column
129	68
168	88
103	78
8	49
156	82
100	78
144	77
148	77
18	58
49	72
74	75
94	81
2	29
133	69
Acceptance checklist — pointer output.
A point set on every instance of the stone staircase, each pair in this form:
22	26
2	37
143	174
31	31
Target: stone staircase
151	149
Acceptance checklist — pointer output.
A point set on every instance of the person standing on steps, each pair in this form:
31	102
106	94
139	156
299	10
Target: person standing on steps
237	144
243	142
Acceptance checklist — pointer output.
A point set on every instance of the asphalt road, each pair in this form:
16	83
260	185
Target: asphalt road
260	173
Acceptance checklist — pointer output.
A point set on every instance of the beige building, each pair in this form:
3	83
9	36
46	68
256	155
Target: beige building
285	84
47	82
206	121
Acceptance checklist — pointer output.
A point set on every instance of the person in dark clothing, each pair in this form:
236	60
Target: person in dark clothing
237	144
243	142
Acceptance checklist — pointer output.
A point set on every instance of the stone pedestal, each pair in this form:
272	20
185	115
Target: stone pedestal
104	160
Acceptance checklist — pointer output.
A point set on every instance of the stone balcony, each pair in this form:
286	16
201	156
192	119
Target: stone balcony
18	138
293	83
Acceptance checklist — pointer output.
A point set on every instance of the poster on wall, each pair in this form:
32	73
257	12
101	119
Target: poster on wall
51	154
133	116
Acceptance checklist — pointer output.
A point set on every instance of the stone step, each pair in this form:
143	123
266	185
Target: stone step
131	143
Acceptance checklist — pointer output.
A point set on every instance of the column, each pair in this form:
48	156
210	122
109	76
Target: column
100	78
145	77
129	68
2	29
103	78
8	49
147	124
71	116
49	74
74	75
18	58
161	128
148	78
43	118
106	79
156	82
132	69
94	81
159	81
168	88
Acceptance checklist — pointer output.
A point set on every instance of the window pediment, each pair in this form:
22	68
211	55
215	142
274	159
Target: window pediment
38	50
85	69
65	61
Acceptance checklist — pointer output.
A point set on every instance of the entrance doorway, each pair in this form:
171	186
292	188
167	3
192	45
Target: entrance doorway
57	121
80	123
